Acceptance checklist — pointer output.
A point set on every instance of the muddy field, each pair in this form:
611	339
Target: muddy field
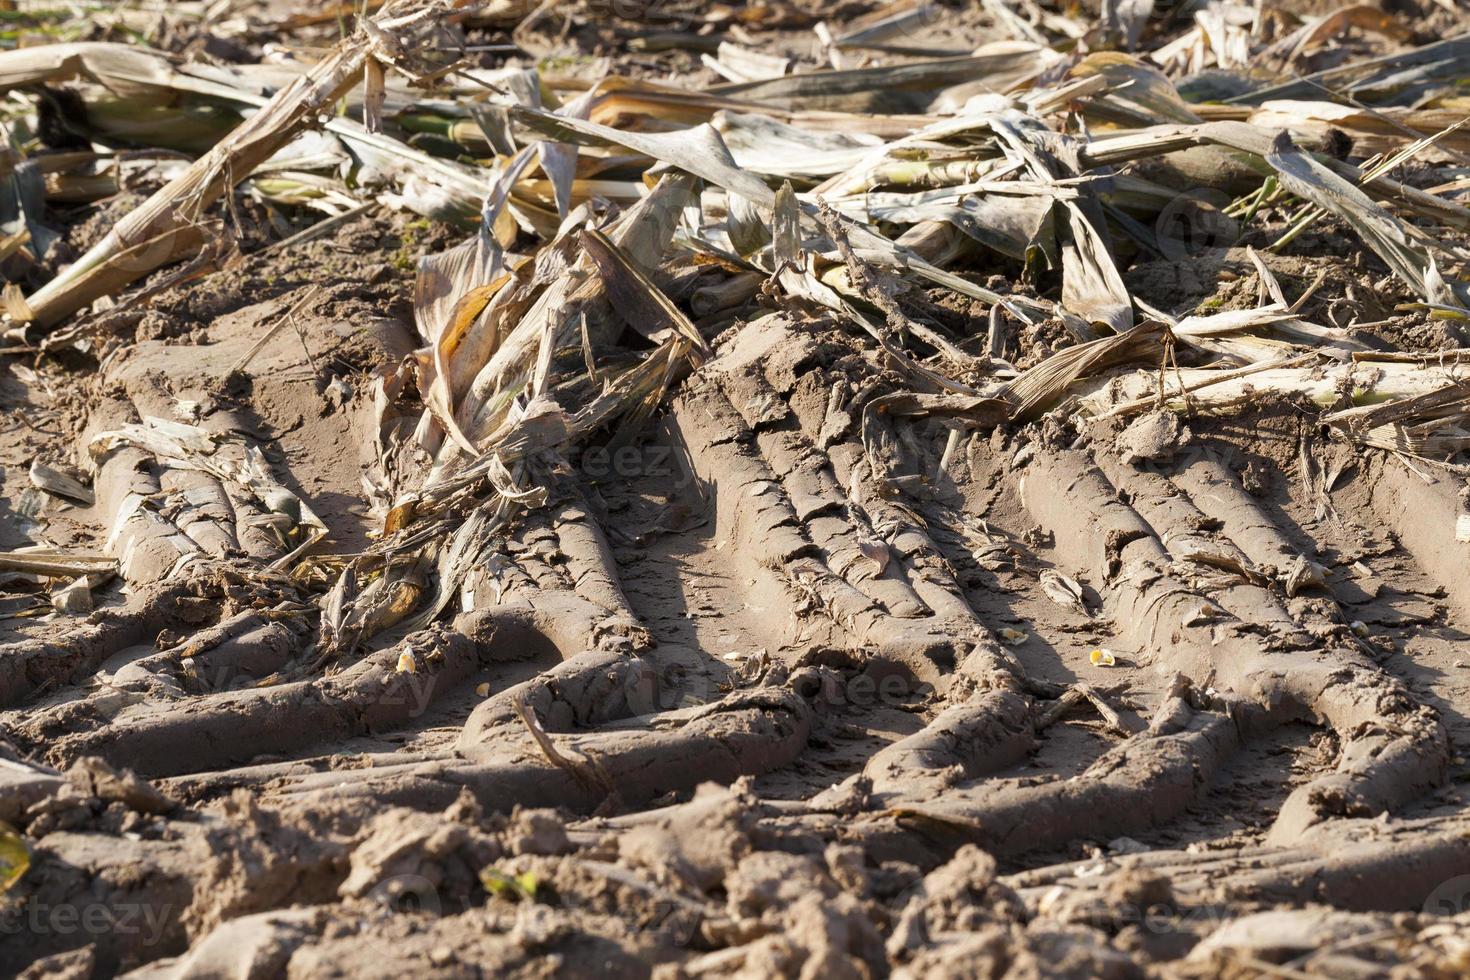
735	490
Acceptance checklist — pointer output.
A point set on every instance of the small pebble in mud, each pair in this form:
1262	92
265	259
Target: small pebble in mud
1255	479
1139	889
379	273
536	832
1154	437
337	394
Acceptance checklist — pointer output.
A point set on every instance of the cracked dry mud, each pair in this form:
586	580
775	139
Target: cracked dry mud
814	702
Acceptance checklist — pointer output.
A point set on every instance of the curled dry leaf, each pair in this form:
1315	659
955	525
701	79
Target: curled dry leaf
1064	591
59	484
876	552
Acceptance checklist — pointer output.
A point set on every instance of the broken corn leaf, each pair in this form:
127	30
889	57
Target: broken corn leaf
15	857
876	552
1102	658
513	887
400	516
58	484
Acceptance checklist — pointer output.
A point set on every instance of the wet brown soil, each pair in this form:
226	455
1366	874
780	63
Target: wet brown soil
788	683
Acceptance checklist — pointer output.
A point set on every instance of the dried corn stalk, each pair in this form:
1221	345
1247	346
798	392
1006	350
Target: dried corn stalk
236	464
167	225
